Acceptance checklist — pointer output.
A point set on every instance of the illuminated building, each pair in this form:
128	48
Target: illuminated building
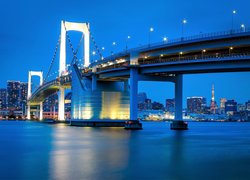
23	96
3	98
157	106
196	104
170	103
241	107
222	105
13	88
231	107
50	104
248	105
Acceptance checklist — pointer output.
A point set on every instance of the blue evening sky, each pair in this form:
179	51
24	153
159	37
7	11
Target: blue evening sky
30	29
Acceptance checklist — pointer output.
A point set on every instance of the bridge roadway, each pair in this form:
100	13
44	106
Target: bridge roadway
166	61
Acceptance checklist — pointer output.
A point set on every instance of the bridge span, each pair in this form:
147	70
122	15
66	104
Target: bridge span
117	76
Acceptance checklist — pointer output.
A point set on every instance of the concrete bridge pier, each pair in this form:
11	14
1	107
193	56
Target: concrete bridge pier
28	111
41	111
133	123
94	81
61	116
178	123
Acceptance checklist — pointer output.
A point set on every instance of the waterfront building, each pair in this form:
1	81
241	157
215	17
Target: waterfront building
241	108
157	106
170	104
196	104
222	105
50	104
13	88
3	98
231	107
248	105
148	104
23	92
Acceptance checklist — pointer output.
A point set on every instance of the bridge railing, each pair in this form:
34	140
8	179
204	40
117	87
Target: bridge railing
195	57
200	58
194	37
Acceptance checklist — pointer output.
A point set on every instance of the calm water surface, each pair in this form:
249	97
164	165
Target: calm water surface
30	150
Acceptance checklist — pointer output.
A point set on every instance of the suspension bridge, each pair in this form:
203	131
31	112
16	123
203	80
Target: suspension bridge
106	90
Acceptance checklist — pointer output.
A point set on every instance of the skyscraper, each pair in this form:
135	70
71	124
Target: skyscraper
196	104
23	96
13	88
170	104
231	107
3	98
248	105
17	95
213	105
222	105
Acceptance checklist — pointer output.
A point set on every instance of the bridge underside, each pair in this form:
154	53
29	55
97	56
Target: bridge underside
46	92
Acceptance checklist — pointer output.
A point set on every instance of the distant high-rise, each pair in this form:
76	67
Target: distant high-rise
241	107
50	103
157	106
231	107
222	105
213	105
23	96
196	104
248	105
170	104
17	95
13	89
3	98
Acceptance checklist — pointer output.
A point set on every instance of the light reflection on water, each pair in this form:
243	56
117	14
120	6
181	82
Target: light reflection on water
207	151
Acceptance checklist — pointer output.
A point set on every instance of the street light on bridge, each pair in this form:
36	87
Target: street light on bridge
165	39
230	49
243	28
233	14
129	37
202	53
184	21
149	35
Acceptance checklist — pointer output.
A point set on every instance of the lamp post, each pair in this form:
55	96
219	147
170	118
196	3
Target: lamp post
243	28
230	50
233	14
103	48
184	21
202	53
149	35
165	39
93	55
113	44
180	54
127	42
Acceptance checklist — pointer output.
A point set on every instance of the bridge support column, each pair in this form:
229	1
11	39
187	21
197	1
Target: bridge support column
178	123
94	79
28	111
126	86
41	111
61	97
133	123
